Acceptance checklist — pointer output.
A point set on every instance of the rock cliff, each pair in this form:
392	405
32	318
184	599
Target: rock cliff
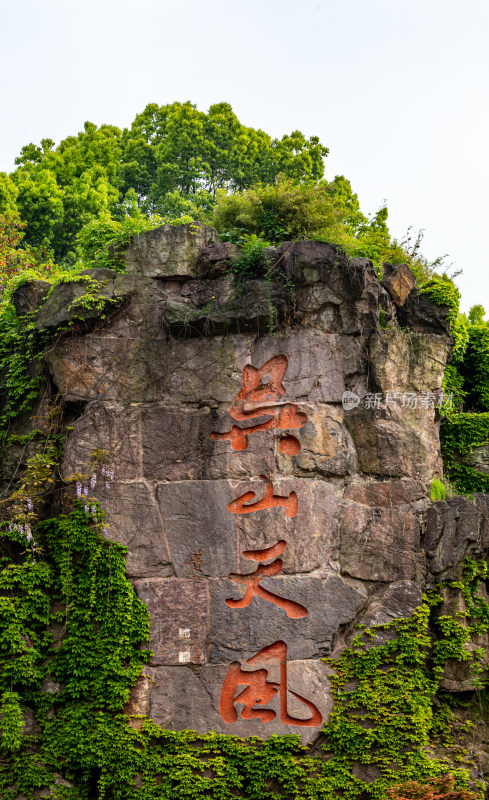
270	445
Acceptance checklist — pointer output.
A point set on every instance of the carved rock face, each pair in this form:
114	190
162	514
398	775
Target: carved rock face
257	550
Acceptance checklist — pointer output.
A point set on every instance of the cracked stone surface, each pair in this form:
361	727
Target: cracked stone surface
343	531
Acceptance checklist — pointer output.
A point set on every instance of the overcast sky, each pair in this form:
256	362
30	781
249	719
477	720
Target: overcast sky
397	89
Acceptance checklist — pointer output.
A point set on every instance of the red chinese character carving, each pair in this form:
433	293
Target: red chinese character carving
259	691
242	506
252	582
264	396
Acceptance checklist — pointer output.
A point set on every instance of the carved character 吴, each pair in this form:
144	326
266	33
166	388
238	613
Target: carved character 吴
259	399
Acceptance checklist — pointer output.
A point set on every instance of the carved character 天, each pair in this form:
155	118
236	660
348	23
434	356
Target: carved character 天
252	582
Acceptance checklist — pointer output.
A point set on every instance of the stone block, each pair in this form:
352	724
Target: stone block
310	534
241	632
109	427
386	493
28	296
452	533
379	544
176	446
110	368
179	611
403	361
133	519
316	363
184	698
399	599
207	371
399	282
169	251
327	447
201	532
396	442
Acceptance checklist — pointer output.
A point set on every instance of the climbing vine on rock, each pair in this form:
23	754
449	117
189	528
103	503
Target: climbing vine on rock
459	435
73	646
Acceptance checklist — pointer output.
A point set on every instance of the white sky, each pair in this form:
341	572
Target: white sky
397	89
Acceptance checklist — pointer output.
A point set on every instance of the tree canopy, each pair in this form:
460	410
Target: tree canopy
173	160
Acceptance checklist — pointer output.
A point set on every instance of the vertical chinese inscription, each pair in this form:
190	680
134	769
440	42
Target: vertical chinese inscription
261	396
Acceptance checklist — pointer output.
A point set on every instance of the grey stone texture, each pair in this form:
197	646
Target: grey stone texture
241	632
189	697
348	536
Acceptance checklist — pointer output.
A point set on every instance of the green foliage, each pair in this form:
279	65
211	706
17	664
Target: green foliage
21	350
12	723
467	379
100	241
475	368
8	196
250	261
382	715
443	291
178	148
476	315
177	162
452	386
439	788
105	623
287	210
173	159
81	586
61	189
459	434
438	490
40	202
279	212
455	632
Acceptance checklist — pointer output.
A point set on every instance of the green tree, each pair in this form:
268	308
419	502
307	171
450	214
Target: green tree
40	202
175	159
8	195
61	189
178	148
476	315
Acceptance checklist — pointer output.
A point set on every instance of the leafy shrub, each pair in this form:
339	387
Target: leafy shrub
475	367
440	788
438	490
282	211
442	290
459	434
288	210
98	235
